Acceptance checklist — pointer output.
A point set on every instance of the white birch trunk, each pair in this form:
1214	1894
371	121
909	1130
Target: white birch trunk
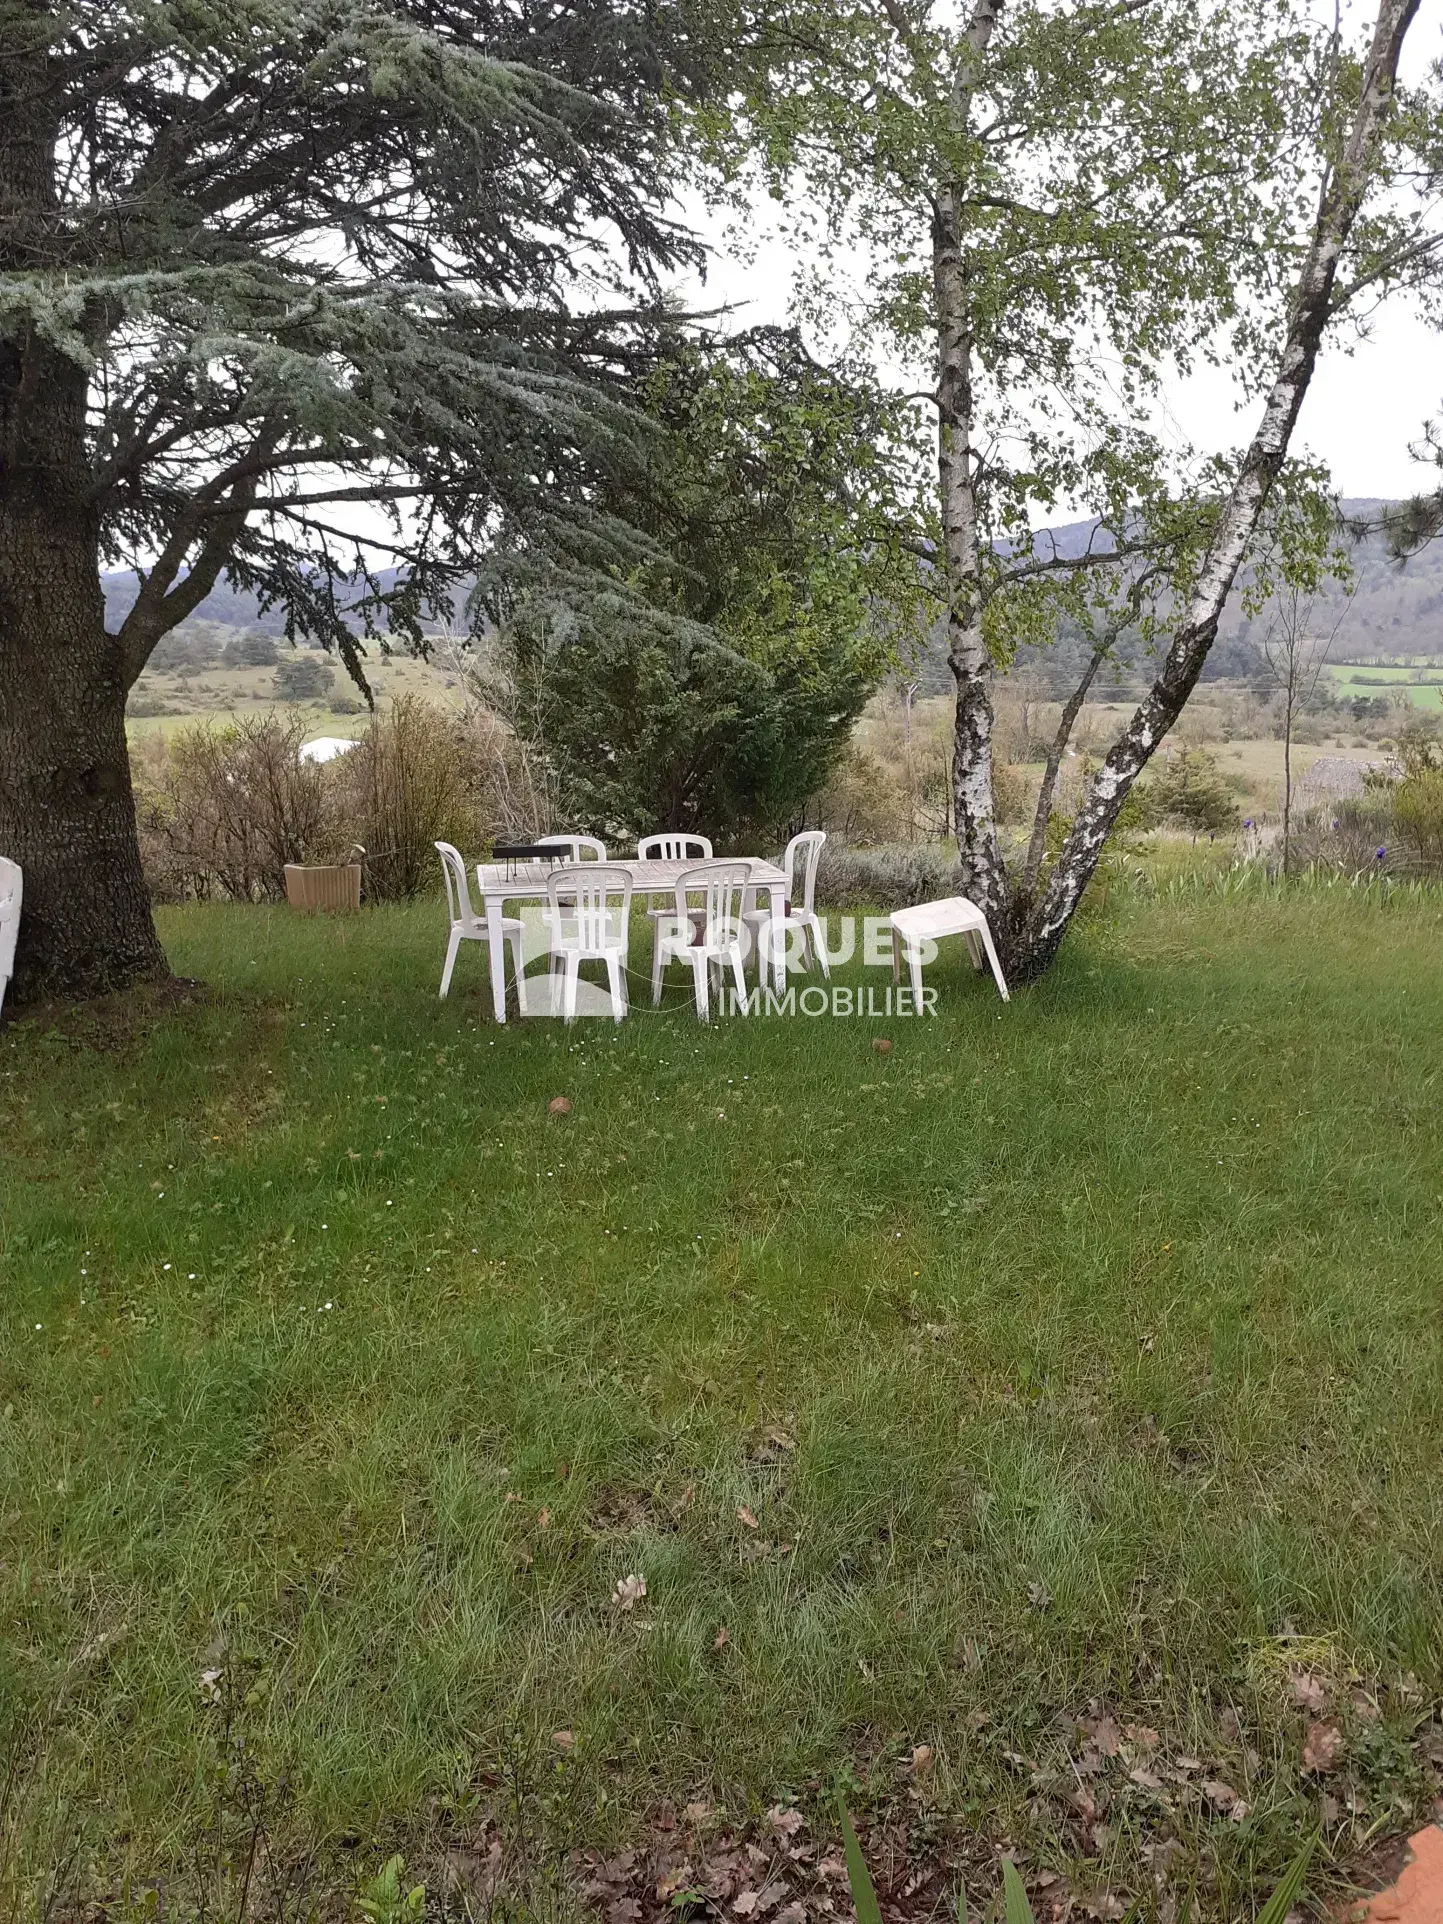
1338	209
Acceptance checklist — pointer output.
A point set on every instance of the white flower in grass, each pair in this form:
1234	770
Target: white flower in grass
629	1592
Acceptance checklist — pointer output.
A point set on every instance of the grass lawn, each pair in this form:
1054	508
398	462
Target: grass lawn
1062	1393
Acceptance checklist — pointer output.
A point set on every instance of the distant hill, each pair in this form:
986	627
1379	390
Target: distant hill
1396	609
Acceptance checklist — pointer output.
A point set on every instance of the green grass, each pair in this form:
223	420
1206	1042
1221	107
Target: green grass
1418	684
1083	1352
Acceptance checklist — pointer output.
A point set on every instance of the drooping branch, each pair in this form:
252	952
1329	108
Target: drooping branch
1340	202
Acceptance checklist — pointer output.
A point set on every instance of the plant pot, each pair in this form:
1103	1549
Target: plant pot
335	886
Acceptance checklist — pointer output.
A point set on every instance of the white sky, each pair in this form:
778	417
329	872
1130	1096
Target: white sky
1369	399
1367	405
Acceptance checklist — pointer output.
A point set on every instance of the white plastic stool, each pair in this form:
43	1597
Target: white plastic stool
929	922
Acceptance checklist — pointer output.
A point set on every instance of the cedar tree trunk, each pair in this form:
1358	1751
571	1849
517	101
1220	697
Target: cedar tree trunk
67	814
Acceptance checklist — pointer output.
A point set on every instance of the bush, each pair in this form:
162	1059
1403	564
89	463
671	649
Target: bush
303	679
222	810
414	780
1417	803
253	650
887	876
1190	793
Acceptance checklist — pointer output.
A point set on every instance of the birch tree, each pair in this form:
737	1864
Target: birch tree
1059	205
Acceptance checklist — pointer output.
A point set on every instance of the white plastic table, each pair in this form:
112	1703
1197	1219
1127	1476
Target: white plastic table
929	922
502	882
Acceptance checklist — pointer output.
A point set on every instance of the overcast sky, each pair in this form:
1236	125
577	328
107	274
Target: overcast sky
1369	400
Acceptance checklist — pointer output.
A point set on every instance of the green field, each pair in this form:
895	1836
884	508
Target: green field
1073	1373
1423	685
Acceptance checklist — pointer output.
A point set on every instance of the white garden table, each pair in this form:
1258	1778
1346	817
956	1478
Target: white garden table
502	882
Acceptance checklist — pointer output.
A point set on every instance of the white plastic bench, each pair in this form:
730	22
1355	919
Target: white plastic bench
929	922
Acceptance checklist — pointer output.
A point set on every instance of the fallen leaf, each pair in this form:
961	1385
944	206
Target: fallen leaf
696	1813
623	1910
746	1516
1039	1596
1322	1747
563	1739
722	1639
784	1819
1329	1809
1307	1690
1222	1796
745	1902
923	1758
543	1519
793	1914
882	1044
1145	1779
1107	1736
629	1592
559	1106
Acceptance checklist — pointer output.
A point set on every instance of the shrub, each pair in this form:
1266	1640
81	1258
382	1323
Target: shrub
222	810
303	679
1190	793
414	780
253	650
888	876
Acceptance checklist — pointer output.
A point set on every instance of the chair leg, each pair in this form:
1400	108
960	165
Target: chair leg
896	957
519	963
819	944
657	951
992	957
451	947
974	950
568	987
740	975
914	967
700	967
613	978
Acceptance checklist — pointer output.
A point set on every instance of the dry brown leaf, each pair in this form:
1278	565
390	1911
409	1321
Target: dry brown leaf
1107	1736
1307	1690
746	1516
563	1739
1219	1794
786	1820
1145	1779
1322	1748
722	1639
559	1106
543	1519
696	1813
923	1758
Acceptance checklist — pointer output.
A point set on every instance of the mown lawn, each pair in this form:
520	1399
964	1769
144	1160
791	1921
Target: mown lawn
1074	1367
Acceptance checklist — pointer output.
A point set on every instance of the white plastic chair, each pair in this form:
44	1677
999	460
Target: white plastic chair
799	914
709	933
578	847
589	918
468	926
670	848
674	848
11	890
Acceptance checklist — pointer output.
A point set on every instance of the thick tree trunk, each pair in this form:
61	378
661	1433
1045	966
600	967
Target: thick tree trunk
67	814
1034	946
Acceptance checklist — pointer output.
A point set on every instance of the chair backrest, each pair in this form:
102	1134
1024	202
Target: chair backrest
578	847
805	848
590	906
722	887
673	848
458	895
11	890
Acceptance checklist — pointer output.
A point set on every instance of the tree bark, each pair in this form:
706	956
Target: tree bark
67	813
979	853
1035	946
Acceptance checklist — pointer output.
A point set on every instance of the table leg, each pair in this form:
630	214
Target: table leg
776	905
496	942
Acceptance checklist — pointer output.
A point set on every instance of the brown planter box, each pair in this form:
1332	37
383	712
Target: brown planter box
335	887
